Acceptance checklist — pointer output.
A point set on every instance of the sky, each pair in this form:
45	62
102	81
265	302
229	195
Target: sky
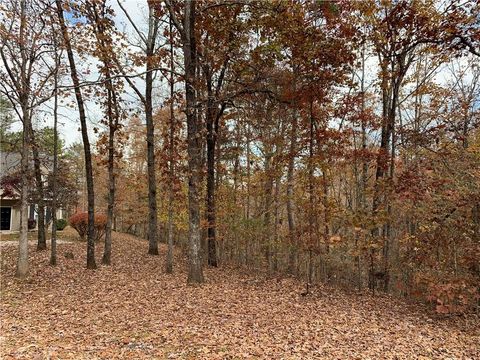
68	117
69	125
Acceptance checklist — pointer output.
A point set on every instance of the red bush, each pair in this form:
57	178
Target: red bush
79	222
100	226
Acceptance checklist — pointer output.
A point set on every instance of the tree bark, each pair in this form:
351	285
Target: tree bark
293	254
41	239
268	192
247	210
53	246
195	271
276	238
22	262
311	197
248	242
171	167
112	126
152	184
211	141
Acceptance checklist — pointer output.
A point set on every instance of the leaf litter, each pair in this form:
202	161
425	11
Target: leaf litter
132	309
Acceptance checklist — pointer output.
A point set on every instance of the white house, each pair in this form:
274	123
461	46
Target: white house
10	203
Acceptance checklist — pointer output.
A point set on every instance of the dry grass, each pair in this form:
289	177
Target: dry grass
66	234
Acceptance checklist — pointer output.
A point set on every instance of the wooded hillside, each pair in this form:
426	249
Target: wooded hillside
336	143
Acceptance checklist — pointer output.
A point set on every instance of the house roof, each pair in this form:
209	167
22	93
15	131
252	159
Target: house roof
9	162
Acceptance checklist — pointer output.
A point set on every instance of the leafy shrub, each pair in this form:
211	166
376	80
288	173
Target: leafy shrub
449	294
79	222
61	224
32	224
453	297
100	226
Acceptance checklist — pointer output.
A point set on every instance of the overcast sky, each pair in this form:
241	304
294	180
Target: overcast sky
68	117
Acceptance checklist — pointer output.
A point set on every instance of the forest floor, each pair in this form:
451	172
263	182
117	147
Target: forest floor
133	310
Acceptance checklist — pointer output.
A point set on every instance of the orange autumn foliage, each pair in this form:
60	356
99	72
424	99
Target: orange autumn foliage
79	221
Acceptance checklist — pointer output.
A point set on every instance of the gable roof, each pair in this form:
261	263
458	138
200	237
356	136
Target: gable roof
9	162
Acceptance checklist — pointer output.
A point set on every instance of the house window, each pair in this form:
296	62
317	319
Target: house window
5	217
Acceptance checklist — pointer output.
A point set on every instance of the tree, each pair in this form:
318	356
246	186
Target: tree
42	241
185	25
171	150
335	141
399	32
25	50
99	16
149	43
220	42
57	145
86	143
53	247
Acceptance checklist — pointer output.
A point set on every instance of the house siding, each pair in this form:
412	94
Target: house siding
15	219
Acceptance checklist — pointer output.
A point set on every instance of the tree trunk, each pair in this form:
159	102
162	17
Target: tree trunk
274	249
112	125
86	143
195	271
268	206
41	239
364	174
146	99
381	168
22	262
53	246
171	165
107	58
247	210
248	242
236	216
311	198
152	184
293	254
211	142
361	203
326	212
